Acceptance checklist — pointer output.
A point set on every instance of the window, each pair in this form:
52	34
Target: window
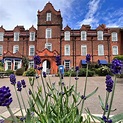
67	36
100	50
83	50
8	65
67	49
48	33
1	36
114	36
32	36
1	50
67	64
48	18
115	50
15	48
31	64
17	65
31	50
48	46
16	36
100	35
83	35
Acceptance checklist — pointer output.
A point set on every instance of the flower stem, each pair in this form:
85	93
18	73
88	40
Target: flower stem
12	115
112	97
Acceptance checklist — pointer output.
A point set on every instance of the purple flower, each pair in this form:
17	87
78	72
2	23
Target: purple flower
23	83
44	74
5	96
40	68
19	86
58	60
13	79
77	68
35	66
88	58
104	118
37	60
109	83
30	92
116	66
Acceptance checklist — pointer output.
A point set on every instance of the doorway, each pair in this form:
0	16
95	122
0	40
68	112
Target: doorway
46	66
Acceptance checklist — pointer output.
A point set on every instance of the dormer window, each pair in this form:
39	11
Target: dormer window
32	36
100	35
1	36
67	36
16	36
48	18
83	35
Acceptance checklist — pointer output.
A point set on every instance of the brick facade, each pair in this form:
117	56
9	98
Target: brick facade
57	41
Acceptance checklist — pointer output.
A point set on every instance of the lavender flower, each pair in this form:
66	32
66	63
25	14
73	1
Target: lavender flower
23	83
88	58
58	60
5	96
13	79
109	83
35	66
104	118
116	66
19	86
30	92
40	68
44	74
37	60
77	68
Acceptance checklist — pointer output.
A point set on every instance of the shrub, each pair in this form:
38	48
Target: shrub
30	72
1	69
103	71
19	71
119	57
67	73
9	71
1	64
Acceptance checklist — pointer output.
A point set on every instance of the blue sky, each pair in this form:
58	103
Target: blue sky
74	12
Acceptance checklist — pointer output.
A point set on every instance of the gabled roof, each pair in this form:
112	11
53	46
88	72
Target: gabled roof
14	55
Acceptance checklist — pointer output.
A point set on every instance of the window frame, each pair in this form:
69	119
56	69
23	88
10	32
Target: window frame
1	36
14	48
67	62
67	35
114	38
31	63
83	35
100	35
32	36
83	46
16	36
1	50
102	48
48	30
113	53
65	51
48	16
31	46
47	45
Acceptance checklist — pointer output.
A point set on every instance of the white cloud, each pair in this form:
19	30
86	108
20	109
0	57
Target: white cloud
93	6
24	12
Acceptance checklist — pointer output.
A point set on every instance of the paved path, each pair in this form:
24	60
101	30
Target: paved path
92	103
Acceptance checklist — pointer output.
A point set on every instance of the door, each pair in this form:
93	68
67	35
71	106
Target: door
46	66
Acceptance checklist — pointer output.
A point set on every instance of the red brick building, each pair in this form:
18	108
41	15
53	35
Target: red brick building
51	39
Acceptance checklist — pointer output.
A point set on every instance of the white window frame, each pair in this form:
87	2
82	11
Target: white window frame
114	36
83	35
15	48
114	50
65	64
48	33
100	35
67	50
100	50
31	64
18	65
32	36
48	16
30	52
48	46
1	36
67	35
1	50
6	64
16	36
83	47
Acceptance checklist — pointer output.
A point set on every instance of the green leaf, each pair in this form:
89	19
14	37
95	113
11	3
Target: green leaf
74	98
101	103
92	93
28	117
117	118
